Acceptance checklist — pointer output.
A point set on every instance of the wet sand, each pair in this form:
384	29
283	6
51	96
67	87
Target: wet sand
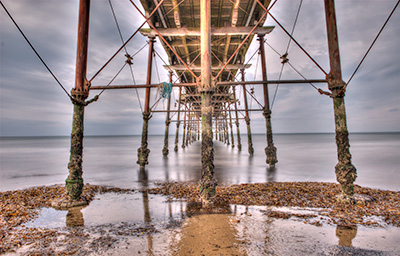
127	222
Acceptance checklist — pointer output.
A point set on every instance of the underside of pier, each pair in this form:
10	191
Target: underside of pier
206	43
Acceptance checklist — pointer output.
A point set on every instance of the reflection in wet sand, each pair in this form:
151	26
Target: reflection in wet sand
208	234
346	234
143	178
271	174
75	217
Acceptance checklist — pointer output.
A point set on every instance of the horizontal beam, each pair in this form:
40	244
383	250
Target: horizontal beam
218	42
110	87
198	68
222	31
198	111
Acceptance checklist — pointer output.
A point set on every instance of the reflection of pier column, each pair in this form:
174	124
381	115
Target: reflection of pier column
178	123
207	88
74	217
270	150
247	118
239	143
143	151
346	173
167	122
346	235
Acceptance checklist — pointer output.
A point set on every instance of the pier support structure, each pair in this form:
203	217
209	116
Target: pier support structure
345	171
207	184
184	125
231	127
178	121
74	181
239	143
165	150
247	117
143	151
270	150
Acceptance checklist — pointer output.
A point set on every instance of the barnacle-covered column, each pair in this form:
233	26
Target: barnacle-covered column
247	118
207	185
143	151
346	173
184	125
165	150
178	122
231	127
270	150
74	181
239	143
188	128
226	130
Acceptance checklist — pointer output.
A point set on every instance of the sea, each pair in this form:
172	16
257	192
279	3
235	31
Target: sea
111	160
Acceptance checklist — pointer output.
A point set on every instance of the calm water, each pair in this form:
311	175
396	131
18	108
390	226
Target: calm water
27	162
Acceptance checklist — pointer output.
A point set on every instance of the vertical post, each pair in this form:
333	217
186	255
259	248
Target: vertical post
239	143
198	129
143	151
226	129
178	123
207	183
270	150
165	150
247	118
231	126
184	125
345	171
74	181
188	128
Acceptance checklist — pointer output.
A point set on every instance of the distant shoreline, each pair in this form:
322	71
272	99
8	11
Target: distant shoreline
135	135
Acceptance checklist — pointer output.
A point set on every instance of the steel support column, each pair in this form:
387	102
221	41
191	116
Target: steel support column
207	183
143	151
270	150
247	118
239	143
345	171
165	150
178	122
226	130
231	127
74	181
184	125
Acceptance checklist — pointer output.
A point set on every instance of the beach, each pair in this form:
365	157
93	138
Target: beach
137	222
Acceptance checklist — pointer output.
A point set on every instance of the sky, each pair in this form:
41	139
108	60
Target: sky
32	103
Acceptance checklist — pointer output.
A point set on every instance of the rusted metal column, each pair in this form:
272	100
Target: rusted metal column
270	150
239	143
198	129
165	150
143	151
346	173
74	181
178	123
226	129
188	128
184	125
208	183
231	128
247	118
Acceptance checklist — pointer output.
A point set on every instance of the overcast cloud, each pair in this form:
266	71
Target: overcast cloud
32	103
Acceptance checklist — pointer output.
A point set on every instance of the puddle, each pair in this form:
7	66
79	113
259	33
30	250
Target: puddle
111	208
114	222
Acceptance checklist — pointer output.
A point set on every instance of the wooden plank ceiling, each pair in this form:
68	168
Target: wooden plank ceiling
179	23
